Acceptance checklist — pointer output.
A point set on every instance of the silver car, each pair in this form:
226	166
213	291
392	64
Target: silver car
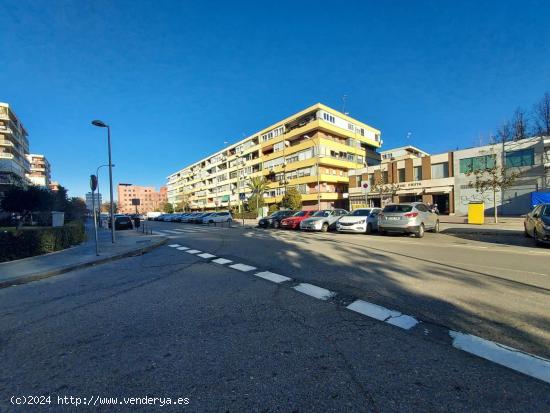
537	224
323	220
363	220
409	218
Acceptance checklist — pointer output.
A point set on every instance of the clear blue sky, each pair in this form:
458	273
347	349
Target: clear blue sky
176	79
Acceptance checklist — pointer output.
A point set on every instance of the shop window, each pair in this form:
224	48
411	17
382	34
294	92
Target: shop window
476	163
523	157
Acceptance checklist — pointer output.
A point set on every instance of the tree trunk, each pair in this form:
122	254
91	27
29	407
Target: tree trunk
495	205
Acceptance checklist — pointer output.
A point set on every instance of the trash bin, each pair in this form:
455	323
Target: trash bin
476	213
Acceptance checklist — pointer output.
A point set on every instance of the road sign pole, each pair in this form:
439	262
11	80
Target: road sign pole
93	186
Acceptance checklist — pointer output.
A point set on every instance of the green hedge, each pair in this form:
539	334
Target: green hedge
29	242
247	215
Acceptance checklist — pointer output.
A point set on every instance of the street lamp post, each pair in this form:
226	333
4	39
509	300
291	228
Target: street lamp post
98	182
101	124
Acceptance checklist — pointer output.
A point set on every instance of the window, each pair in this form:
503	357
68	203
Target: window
422	208
417	173
328	117
401	174
476	163
385	177
440	170
523	157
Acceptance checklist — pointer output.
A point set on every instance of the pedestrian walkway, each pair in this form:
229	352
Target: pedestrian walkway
171	232
128	243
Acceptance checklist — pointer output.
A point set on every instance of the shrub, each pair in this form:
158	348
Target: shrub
292	199
273	208
29	242
247	215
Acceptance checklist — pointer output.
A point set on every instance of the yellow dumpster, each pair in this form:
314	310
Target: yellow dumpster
476	213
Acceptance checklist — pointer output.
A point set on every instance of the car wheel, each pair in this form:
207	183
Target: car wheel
420	232
324	228
436	227
382	232
536	237
276	224
525	233
369	229
210	222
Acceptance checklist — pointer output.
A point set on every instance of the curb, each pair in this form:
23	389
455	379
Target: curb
47	274
473	231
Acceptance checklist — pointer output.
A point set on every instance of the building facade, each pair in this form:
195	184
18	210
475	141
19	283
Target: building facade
312	150
14	148
98	201
149	198
405	174
40	170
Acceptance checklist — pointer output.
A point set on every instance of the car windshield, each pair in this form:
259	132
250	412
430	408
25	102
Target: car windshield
300	214
398	208
360	213
546	211
322	214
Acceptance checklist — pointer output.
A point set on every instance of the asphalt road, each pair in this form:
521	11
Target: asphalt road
174	324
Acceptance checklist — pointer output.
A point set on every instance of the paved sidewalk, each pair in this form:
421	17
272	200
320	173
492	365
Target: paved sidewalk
128	243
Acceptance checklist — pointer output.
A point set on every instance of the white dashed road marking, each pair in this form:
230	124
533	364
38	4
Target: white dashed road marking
206	255
243	267
271	276
221	261
174	245
383	314
506	356
182	248
314	291
193	251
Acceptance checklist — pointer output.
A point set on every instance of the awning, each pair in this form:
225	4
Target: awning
409	192
443	189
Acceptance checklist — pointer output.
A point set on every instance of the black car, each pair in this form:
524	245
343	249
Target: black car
122	222
274	220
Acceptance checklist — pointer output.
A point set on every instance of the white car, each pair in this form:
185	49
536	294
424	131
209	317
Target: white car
363	220
218	217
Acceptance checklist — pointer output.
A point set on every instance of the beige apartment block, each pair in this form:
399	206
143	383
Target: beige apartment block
14	148
40	170
149	198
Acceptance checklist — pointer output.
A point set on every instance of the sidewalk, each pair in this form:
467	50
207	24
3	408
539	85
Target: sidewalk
128	243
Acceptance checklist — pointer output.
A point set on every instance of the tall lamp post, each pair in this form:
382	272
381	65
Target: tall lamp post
101	124
98	182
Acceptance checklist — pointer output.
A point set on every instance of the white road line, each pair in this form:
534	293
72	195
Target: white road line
206	255
314	291
243	267
506	356
182	248
383	314
221	261
169	231
179	229
174	245
271	276
193	251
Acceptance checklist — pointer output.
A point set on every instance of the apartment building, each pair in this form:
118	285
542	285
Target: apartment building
97	198
14	147
149	198
40	170
312	150
405	174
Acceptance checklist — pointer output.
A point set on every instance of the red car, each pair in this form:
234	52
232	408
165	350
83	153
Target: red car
293	222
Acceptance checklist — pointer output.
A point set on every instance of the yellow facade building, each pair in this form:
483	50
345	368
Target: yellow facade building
312	150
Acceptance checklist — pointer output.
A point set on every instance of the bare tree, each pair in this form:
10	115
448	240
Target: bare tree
515	129
541	113
504	133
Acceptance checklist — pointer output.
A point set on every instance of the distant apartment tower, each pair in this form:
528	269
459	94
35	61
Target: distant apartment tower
311	151
149	198
40	174
98	201
54	186
14	148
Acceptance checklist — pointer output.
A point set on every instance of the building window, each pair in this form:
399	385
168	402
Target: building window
440	170
477	163
523	157
401	174
417	173
385	177
328	117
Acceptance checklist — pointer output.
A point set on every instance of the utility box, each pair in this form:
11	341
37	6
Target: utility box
58	219
476	213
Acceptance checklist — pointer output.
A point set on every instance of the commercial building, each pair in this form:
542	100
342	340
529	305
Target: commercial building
312	150
405	174
149	198
14	148
98	201
40	170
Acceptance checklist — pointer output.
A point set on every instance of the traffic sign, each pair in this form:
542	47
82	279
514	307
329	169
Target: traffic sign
242	196
365	185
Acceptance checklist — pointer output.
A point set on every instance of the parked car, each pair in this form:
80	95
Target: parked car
537	224
274	220
122	222
180	217
410	218
218	217
189	217
323	220
360	220
151	215
197	219
160	217
293	221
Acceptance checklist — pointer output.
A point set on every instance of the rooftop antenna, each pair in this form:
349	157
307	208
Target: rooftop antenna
344	99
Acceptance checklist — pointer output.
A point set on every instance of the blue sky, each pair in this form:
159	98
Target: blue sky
176	79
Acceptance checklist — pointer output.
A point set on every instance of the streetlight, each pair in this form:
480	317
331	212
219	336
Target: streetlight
97	174
101	124
317	153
